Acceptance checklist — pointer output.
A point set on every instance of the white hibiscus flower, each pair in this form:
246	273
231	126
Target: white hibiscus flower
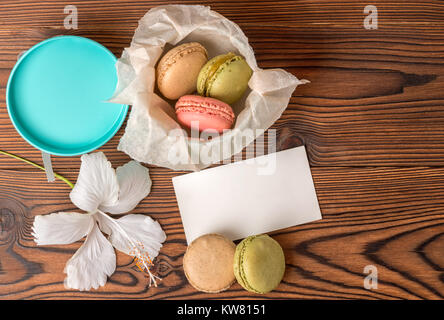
101	189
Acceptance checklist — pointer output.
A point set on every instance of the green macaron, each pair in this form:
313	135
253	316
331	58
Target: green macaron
259	263
224	77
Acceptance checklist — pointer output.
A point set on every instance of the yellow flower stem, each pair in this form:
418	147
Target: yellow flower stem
69	183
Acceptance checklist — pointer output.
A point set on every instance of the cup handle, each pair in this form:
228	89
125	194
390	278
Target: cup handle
48	166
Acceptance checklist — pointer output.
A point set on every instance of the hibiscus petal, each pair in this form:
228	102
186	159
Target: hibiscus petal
133	230
134	185
97	183
61	227
90	266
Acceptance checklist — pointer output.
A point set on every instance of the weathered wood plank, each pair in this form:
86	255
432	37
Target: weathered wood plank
373	110
391	218
375	97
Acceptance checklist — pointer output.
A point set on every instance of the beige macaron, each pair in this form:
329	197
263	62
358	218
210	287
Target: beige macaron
208	263
178	69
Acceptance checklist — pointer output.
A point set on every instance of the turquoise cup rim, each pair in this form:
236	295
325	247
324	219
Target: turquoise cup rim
46	148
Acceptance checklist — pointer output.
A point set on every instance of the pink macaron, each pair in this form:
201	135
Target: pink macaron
204	113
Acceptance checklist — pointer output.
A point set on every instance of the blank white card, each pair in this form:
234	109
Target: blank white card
249	197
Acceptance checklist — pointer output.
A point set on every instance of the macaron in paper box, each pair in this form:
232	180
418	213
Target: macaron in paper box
153	134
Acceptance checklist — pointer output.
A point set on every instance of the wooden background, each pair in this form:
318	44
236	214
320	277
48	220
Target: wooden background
372	121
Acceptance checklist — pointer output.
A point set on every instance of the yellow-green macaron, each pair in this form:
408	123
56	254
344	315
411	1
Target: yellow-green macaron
259	263
224	77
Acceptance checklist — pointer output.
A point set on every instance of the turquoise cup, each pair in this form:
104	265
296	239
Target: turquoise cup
56	96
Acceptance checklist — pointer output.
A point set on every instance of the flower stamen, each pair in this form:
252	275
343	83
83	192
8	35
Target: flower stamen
143	261
142	258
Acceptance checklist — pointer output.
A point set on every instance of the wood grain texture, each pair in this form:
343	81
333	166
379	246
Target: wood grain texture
288	12
372	120
392	104
385	216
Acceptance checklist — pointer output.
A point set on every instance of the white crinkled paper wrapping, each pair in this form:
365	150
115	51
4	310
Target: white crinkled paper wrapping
149	135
